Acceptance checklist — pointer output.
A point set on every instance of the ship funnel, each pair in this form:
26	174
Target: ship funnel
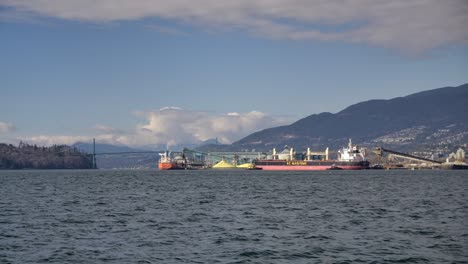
291	152
308	153
274	153
326	153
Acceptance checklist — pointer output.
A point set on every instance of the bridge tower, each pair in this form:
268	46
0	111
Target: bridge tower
94	154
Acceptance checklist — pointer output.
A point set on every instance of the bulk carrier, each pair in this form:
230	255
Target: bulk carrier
350	158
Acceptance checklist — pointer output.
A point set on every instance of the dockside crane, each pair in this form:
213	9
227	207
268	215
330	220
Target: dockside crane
380	151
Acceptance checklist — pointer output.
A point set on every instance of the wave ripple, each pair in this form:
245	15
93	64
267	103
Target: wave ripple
233	217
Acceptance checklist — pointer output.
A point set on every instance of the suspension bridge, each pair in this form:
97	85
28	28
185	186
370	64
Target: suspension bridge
212	156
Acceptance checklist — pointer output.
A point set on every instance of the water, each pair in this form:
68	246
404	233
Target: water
233	217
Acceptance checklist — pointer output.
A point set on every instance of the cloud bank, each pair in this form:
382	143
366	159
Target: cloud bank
410	26
172	126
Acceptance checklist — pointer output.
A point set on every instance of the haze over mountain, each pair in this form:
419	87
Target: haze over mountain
434	119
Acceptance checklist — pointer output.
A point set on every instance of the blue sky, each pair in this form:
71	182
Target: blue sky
73	70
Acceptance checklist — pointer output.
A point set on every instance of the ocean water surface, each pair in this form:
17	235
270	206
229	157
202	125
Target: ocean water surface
125	216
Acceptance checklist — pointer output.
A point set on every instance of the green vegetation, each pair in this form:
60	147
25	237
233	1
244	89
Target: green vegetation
33	157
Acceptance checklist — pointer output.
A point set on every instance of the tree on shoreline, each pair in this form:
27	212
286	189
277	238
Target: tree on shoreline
27	156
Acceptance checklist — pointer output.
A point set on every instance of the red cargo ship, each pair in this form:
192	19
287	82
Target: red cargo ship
166	163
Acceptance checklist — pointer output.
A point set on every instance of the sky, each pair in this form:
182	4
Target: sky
148	72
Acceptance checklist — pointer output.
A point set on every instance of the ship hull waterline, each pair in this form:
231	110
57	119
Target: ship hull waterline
306	166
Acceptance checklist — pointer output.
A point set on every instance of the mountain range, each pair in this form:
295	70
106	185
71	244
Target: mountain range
434	120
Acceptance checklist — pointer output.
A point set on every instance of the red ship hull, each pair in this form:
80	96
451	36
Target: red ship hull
306	168
283	165
168	166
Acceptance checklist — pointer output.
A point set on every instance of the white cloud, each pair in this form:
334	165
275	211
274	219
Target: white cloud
411	26
172	125
6	127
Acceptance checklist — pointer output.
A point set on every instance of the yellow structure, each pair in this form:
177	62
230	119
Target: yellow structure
223	164
245	166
